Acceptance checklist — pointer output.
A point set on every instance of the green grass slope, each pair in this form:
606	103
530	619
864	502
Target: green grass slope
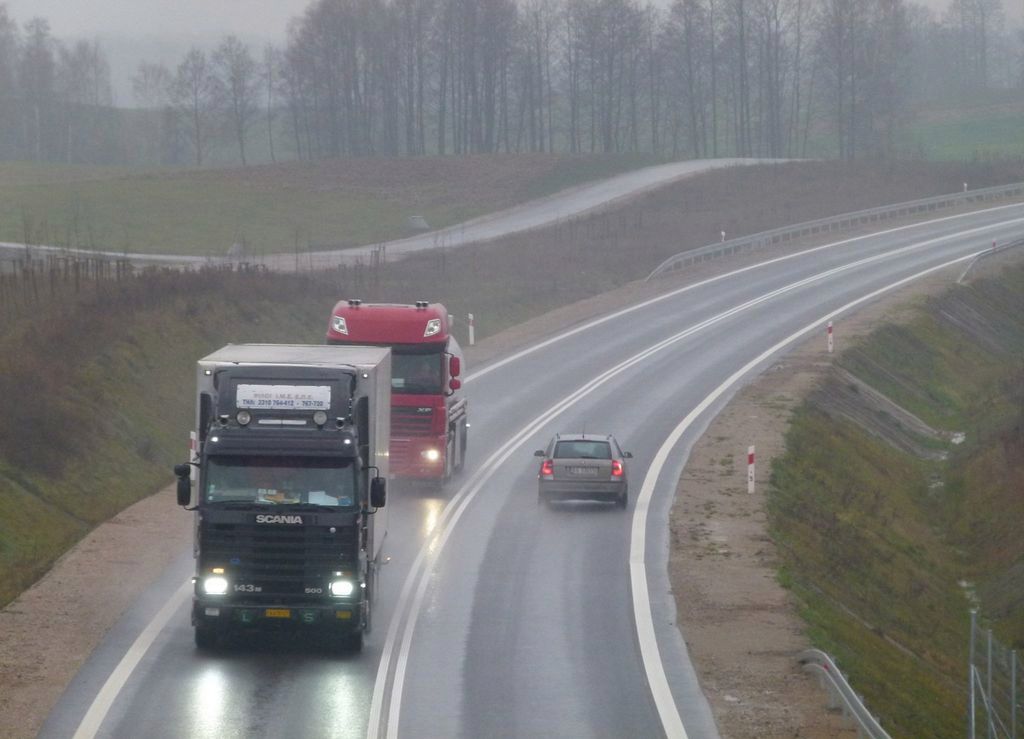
98	409
875	541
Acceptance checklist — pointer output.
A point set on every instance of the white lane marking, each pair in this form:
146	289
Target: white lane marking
112	687
93	719
651	655
618	314
433	547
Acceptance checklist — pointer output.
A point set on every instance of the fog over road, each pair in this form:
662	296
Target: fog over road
497	617
533	214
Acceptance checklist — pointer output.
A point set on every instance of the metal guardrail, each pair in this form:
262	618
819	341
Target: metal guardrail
765	239
988	253
841	695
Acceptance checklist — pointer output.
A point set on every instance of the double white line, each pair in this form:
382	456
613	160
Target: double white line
418	576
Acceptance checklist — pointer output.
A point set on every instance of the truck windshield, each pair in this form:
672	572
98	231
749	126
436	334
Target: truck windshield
419	374
281	481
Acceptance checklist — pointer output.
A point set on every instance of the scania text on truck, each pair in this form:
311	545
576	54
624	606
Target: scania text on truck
287	481
429	414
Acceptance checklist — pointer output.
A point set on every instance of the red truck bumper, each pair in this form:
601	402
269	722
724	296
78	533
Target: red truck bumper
421	458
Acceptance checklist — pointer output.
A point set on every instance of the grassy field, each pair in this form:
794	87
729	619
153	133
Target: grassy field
275	208
981	132
81	439
876	542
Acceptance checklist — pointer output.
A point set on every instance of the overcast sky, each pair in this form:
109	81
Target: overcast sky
201	18
162	30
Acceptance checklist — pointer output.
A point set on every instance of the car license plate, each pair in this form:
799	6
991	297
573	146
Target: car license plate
583	471
278	613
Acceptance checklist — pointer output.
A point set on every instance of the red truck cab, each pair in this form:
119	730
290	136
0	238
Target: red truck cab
429	419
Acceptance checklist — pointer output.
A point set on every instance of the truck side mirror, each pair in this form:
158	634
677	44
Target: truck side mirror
454	367
378	492
454	384
183	473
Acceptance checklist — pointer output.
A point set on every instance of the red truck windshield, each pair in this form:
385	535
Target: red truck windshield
416	374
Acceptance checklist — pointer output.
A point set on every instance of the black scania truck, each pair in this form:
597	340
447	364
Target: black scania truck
287	480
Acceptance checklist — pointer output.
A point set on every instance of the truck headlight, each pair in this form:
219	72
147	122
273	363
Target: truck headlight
215	585
342	588
431	455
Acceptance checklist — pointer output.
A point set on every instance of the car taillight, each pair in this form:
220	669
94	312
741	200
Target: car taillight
616	468
547	468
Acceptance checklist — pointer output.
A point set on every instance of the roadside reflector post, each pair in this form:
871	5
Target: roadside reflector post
965	187
723	237
831	341
993	244
750	470
472	330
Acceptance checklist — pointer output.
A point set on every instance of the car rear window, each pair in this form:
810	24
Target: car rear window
582	450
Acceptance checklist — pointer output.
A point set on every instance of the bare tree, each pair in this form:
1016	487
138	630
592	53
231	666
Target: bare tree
10	100
240	84
151	85
975	22
38	71
195	94
83	78
152	88
271	79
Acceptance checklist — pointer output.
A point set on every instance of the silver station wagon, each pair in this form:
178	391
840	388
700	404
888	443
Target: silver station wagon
583	467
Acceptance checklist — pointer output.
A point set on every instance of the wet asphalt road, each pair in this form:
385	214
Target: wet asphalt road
520	621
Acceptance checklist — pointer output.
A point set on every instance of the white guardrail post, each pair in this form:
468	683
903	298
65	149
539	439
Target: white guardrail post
844	220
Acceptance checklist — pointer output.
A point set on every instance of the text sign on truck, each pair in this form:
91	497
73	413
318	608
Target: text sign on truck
284	397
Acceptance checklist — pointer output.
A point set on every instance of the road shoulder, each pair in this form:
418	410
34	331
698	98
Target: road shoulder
741	626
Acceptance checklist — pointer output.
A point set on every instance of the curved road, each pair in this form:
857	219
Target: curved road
497	617
546	211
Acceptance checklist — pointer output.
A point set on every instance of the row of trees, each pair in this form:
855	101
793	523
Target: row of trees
209	96
55	99
702	78
412	77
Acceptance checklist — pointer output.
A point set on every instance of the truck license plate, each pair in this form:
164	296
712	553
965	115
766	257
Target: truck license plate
278	613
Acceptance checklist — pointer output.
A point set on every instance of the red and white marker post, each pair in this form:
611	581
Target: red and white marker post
472	330
831	342
750	470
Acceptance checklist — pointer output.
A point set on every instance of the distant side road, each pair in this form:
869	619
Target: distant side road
537	213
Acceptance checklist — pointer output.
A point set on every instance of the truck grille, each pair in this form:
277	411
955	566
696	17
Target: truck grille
411	421
280	560
401	454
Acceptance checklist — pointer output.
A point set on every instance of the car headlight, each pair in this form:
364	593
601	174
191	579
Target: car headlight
431	455
342	588
215	585
338	324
